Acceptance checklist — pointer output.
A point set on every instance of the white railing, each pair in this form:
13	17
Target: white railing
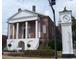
34	42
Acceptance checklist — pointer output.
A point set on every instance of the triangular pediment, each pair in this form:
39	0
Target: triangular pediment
22	14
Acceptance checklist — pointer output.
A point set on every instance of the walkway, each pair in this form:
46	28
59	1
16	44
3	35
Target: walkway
11	57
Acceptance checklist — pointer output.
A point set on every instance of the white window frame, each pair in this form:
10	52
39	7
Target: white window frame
44	28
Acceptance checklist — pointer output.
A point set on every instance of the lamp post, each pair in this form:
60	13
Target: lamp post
52	2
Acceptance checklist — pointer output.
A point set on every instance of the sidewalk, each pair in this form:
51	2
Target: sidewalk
11	57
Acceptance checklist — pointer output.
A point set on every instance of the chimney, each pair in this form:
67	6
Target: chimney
19	9
33	8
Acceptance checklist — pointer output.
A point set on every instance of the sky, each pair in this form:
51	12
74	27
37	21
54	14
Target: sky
10	7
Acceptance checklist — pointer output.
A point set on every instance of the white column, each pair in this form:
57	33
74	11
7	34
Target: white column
9	31
39	29
13	32
26	30
22	32
36	31
17	30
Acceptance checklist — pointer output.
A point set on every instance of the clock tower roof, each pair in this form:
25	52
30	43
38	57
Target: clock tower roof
65	10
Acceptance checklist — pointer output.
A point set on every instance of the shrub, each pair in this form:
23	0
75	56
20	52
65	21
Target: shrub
51	44
39	53
34	53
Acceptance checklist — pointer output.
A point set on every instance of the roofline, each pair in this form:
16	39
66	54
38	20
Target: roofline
34	12
28	11
65	10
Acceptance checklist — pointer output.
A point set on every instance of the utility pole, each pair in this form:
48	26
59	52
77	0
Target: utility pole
52	2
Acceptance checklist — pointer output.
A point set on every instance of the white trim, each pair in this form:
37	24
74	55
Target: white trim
22	20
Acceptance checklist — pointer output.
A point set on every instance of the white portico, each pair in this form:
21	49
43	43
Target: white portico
23	31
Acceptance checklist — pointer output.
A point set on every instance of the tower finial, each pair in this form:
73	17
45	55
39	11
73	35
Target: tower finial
65	9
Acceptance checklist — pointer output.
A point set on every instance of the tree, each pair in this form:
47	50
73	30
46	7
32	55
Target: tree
51	44
4	41
73	24
74	31
74	28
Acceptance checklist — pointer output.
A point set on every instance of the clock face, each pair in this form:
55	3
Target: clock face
66	18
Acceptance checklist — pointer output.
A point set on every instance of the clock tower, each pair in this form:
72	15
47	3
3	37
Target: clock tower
66	28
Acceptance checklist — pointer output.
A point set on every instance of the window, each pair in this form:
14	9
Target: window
44	28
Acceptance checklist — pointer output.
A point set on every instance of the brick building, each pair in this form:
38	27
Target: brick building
28	30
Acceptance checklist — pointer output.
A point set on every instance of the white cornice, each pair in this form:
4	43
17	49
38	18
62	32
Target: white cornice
23	19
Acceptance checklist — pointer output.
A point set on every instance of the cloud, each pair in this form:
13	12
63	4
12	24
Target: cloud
10	7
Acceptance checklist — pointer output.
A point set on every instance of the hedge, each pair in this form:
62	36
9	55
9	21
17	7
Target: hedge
51	44
39	53
34	53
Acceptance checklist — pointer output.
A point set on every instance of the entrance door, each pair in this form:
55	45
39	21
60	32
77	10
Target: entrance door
21	44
